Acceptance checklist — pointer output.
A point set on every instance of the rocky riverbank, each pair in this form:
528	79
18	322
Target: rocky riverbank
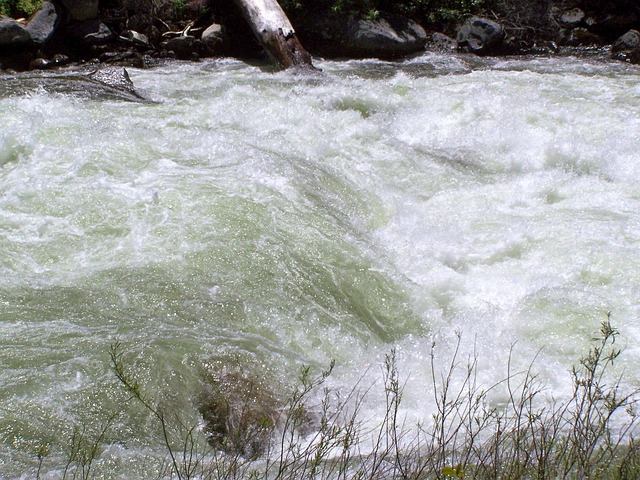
138	33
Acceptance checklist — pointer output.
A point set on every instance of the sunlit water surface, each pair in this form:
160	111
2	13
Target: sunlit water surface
278	220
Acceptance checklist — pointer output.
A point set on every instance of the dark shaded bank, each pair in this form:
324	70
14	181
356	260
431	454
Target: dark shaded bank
142	32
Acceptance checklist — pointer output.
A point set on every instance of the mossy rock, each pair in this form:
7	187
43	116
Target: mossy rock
239	409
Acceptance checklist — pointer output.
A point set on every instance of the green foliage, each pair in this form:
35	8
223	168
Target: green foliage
454	472
179	7
437	13
28	7
5	7
19	8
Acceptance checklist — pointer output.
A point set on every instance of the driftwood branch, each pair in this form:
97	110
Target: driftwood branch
274	31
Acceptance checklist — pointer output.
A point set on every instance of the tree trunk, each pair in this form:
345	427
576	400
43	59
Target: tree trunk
273	30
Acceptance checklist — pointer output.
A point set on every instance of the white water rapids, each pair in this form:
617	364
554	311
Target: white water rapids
283	220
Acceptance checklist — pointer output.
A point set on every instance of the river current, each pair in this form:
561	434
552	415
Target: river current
274	220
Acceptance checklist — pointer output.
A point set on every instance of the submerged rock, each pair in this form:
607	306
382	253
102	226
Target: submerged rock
108	83
239	410
114	77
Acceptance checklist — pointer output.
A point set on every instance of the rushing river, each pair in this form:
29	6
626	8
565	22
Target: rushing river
278	220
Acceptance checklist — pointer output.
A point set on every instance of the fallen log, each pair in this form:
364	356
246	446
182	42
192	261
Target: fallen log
274	31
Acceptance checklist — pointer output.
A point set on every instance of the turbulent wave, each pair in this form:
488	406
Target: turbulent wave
286	220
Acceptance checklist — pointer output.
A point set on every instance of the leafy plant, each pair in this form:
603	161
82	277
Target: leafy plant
28	7
4	7
438	14
179	7
19	8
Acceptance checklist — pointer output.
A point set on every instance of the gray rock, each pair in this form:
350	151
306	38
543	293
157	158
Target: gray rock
627	42
90	32
81	9
60	59
441	42
580	37
41	64
213	38
627	47
12	33
237	405
137	39
43	24
139	22
184	47
613	23
572	18
114	77
389	36
481	36
105	84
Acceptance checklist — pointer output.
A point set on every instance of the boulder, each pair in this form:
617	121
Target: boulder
481	36
12	34
126	58
580	37
45	64
114	77
213	39
627	42
154	35
572	18
90	32
104	84
139	22
136	39
184	47
388	36
441	42
627	47
40	64
81	9
239	408
611	25
43	24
